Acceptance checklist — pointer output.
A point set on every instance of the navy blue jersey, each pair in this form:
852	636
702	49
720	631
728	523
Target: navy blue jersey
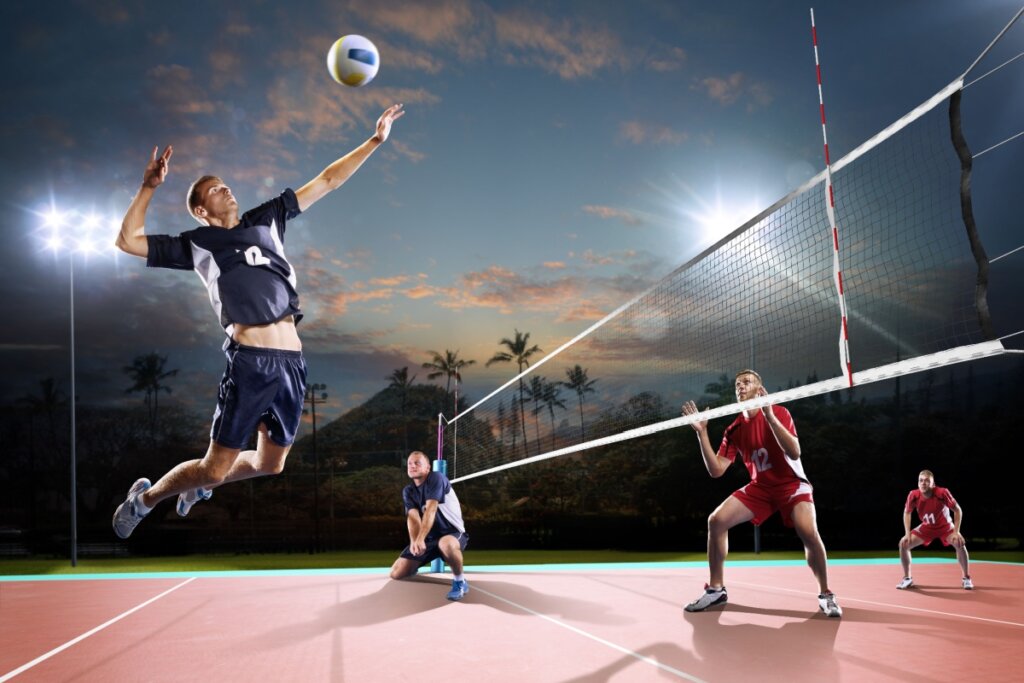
244	268
448	519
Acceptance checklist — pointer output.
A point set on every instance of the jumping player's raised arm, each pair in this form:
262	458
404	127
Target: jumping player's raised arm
335	175
132	238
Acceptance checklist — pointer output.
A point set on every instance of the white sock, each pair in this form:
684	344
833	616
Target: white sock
459	577
140	507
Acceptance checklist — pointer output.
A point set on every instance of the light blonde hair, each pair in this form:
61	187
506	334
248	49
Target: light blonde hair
927	472
748	372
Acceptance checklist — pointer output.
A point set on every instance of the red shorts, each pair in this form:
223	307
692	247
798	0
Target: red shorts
929	533
763	500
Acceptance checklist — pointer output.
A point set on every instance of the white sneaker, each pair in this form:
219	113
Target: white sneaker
189	498
968	584
827	603
711	596
906	583
127	516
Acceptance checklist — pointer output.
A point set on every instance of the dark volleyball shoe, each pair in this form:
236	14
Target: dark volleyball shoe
827	603
711	596
459	589
189	498
127	516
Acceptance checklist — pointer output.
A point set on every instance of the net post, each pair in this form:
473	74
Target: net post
440	465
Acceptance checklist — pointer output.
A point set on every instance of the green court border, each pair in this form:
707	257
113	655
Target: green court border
483	569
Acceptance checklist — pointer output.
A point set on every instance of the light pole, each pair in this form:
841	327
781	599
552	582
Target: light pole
55	221
311	399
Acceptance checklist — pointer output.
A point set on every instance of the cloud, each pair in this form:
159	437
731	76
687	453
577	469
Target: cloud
408	152
457	24
570	49
730	89
392	281
173	89
672	59
554	265
640	133
608	212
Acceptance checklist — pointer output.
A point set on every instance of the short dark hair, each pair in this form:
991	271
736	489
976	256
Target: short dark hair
192	200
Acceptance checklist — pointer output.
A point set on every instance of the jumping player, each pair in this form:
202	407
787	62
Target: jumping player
766	440
241	260
434	519
932	504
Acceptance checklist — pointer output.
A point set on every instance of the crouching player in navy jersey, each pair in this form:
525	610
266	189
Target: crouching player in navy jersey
241	260
434	518
766	441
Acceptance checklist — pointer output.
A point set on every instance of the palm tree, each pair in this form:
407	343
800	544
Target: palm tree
535	393
581	384
401	382
449	365
519	352
147	373
552	400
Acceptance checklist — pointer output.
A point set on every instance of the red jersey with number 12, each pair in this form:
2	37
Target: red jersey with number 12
933	510
753	440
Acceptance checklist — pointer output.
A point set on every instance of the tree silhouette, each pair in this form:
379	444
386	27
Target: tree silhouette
450	366
519	352
552	400
147	372
400	382
582	385
535	393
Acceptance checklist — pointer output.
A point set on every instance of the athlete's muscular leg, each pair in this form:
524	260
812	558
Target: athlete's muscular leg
806	524
961	554
451	551
191	474
915	541
727	515
403	568
268	458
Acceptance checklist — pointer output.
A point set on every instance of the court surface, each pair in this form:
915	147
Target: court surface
570	623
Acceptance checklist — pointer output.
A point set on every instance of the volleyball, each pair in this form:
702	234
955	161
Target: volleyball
353	60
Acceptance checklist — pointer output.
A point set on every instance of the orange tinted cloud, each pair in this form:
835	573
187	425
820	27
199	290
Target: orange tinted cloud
732	88
640	133
608	212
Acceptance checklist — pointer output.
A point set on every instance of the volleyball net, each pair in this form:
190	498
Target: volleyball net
914	276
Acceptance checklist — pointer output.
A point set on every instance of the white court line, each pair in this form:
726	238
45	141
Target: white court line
25	667
881	604
627	651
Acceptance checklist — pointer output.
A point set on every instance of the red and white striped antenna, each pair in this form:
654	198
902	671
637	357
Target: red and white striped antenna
830	206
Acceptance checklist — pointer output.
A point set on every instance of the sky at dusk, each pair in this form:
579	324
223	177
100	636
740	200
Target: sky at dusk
555	160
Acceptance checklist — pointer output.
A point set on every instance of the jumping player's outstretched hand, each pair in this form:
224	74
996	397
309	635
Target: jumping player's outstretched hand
390	115
690	408
156	170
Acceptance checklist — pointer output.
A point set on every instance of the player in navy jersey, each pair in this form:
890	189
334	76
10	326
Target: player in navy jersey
434	519
241	260
933	505
766	440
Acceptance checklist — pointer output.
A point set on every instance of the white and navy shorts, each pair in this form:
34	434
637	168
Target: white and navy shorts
259	386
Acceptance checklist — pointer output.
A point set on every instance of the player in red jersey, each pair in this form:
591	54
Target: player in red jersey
933	505
766	440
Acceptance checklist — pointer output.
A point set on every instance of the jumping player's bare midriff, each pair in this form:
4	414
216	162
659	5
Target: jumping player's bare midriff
276	335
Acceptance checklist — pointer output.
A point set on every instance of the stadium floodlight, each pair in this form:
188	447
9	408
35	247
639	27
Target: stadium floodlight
80	228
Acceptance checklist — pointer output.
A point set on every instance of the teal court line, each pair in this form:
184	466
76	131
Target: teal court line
487	569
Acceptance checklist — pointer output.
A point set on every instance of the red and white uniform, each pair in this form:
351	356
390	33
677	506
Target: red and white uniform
935	513
777	481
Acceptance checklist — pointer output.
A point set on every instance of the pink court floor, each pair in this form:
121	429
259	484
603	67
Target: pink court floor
524	624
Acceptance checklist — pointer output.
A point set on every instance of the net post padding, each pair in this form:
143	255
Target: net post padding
905	367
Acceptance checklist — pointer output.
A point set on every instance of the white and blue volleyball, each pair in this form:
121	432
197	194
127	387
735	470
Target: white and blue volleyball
353	60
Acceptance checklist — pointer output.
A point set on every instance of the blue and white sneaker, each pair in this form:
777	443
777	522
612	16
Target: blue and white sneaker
189	498
127	516
711	596
459	589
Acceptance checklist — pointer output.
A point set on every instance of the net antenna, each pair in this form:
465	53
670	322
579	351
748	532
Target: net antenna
913	298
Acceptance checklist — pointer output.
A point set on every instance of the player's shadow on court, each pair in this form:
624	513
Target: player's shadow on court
393	601
548	604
